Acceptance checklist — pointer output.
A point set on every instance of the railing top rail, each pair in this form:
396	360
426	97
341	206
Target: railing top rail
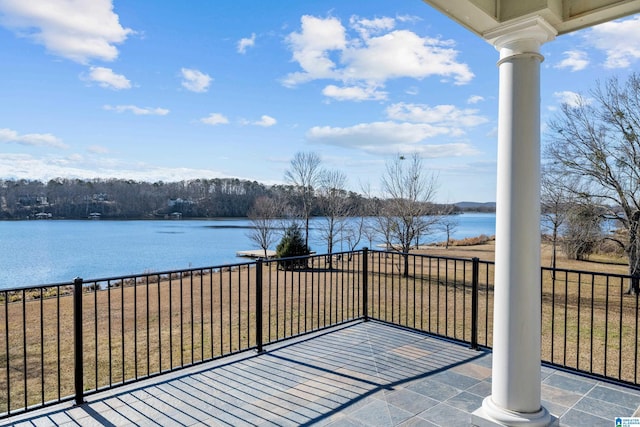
431	256
170	272
311	255
586	272
130	276
167	272
35	287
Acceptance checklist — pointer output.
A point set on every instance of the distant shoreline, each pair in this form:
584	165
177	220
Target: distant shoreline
190	218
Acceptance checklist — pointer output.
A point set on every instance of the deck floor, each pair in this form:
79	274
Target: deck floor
362	374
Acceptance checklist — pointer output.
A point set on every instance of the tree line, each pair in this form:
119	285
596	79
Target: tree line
127	199
65	198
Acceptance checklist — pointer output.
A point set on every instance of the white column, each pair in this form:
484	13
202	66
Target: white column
515	398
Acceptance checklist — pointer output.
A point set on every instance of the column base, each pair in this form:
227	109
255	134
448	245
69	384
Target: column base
490	415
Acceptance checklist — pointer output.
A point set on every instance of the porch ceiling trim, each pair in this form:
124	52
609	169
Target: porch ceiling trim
484	17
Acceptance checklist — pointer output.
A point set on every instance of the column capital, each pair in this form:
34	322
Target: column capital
523	36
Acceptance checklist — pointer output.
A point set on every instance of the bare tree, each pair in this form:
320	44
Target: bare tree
448	222
409	194
263	216
370	229
304	172
334	201
557	199
598	142
583	231
371	224
353	231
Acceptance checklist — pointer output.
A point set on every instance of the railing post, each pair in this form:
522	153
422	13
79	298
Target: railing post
474	302
259	305
365	283
78	344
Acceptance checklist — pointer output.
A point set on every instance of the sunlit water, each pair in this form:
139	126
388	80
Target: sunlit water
42	252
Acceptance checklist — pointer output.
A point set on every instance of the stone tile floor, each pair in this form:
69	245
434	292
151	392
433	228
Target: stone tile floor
362	374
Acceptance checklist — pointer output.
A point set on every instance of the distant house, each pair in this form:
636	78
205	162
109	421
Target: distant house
175	215
179	203
95	215
29	200
43	215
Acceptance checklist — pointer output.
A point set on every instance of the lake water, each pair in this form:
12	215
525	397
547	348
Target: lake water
42	252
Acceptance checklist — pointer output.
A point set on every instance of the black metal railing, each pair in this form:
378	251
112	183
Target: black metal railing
590	323
446	297
36	330
66	341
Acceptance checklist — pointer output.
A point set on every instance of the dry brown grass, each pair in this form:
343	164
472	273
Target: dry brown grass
602	263
164	323
485	252
588	322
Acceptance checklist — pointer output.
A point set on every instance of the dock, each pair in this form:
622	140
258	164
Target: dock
257	253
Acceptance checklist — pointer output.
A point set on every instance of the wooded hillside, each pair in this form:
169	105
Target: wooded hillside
127	199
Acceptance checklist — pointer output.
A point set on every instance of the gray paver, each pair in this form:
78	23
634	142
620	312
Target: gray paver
595	407
570	383
364	374
445	415
606	394
465	401
582	419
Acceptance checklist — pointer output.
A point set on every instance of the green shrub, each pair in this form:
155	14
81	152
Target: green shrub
292	245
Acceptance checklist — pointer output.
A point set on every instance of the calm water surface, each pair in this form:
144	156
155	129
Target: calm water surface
40	252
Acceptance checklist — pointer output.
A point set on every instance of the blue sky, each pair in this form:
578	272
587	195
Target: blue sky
171	90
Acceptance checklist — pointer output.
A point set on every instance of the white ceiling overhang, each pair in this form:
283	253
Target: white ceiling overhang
484	17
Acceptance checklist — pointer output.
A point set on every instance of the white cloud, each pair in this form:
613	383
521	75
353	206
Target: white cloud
408	18
311	48
266	121
97	149
618	40
32	139
443	115
105	77
24	166
214	119
408	129
367	27
389	138
375	133
403	53
76	30
575	60
245	43
373	55
195	80
572	99
137	110
474	99
413	90
354	93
